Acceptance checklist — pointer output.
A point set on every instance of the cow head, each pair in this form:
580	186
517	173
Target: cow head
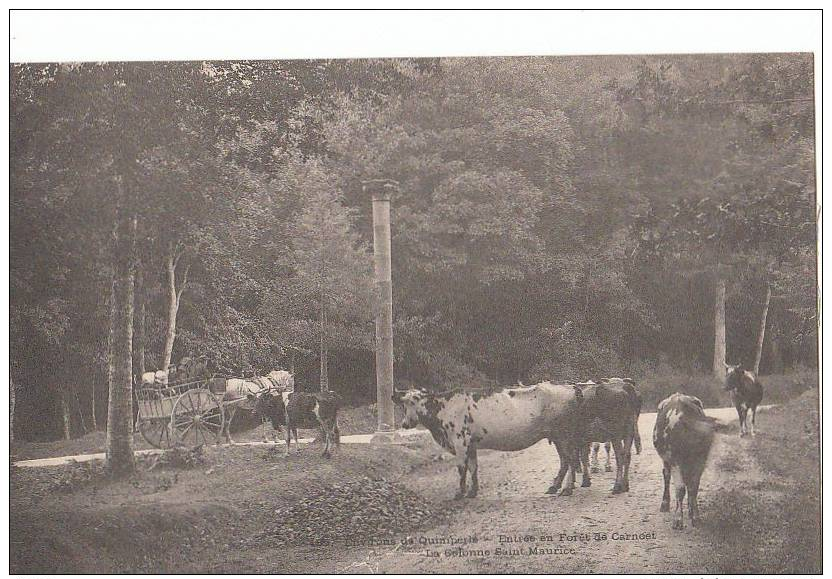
267	405
413	401
733	375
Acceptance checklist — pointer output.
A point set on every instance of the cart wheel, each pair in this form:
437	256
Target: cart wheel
155	432
197	418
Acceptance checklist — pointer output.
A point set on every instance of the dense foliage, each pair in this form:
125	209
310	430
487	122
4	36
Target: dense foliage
557	217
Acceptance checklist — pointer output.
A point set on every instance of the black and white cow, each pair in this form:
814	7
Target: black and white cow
301	410
510	419
241	394
746	394
682	436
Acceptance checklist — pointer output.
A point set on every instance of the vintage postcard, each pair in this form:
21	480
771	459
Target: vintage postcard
532	314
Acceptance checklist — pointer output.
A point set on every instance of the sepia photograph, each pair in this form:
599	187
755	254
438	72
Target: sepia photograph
271	316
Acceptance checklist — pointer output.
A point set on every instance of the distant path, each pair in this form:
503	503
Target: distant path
64	460
645	427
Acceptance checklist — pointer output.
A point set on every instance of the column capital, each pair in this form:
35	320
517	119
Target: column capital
380	189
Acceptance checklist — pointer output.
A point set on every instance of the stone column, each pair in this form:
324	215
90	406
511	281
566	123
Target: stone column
381	189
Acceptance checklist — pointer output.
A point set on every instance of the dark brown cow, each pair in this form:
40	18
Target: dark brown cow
682	436
746	394
608	413
596	445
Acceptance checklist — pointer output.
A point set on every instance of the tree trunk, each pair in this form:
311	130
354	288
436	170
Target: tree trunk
322	290
12	396
65	416
140	326
776	354
586	292
93	419
119	446
762	336
173	309
324	352
80	410
719	330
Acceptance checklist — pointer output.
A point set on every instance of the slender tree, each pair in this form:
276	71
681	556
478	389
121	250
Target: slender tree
119	448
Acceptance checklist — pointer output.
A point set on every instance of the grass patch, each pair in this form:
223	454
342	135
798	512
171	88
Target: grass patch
773	525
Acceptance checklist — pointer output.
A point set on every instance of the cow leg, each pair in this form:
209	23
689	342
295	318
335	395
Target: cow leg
753	421
473	468
618	487
564	466
329	433
594	458
637	437
574	463
227	426
326	453
666	494
584	461
679	517
693	492
462	469
626	454
289	439
263	421
337	434
745	420
608	465
741	413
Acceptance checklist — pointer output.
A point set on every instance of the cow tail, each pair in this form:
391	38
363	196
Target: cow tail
577	434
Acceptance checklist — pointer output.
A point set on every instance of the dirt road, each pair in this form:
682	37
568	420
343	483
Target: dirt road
760	505
519	529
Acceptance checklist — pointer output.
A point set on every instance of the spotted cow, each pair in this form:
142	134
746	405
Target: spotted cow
682	436
746	394
509	419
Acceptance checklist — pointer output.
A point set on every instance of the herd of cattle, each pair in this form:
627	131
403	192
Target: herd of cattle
576	418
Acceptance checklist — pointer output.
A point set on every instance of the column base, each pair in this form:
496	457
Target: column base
410	437
383	437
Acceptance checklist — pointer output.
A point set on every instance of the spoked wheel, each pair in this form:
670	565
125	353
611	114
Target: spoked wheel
197	418
156	432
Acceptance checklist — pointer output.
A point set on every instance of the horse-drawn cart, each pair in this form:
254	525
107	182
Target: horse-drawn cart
189	413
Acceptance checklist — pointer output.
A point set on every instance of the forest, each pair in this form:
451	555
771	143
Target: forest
556	218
